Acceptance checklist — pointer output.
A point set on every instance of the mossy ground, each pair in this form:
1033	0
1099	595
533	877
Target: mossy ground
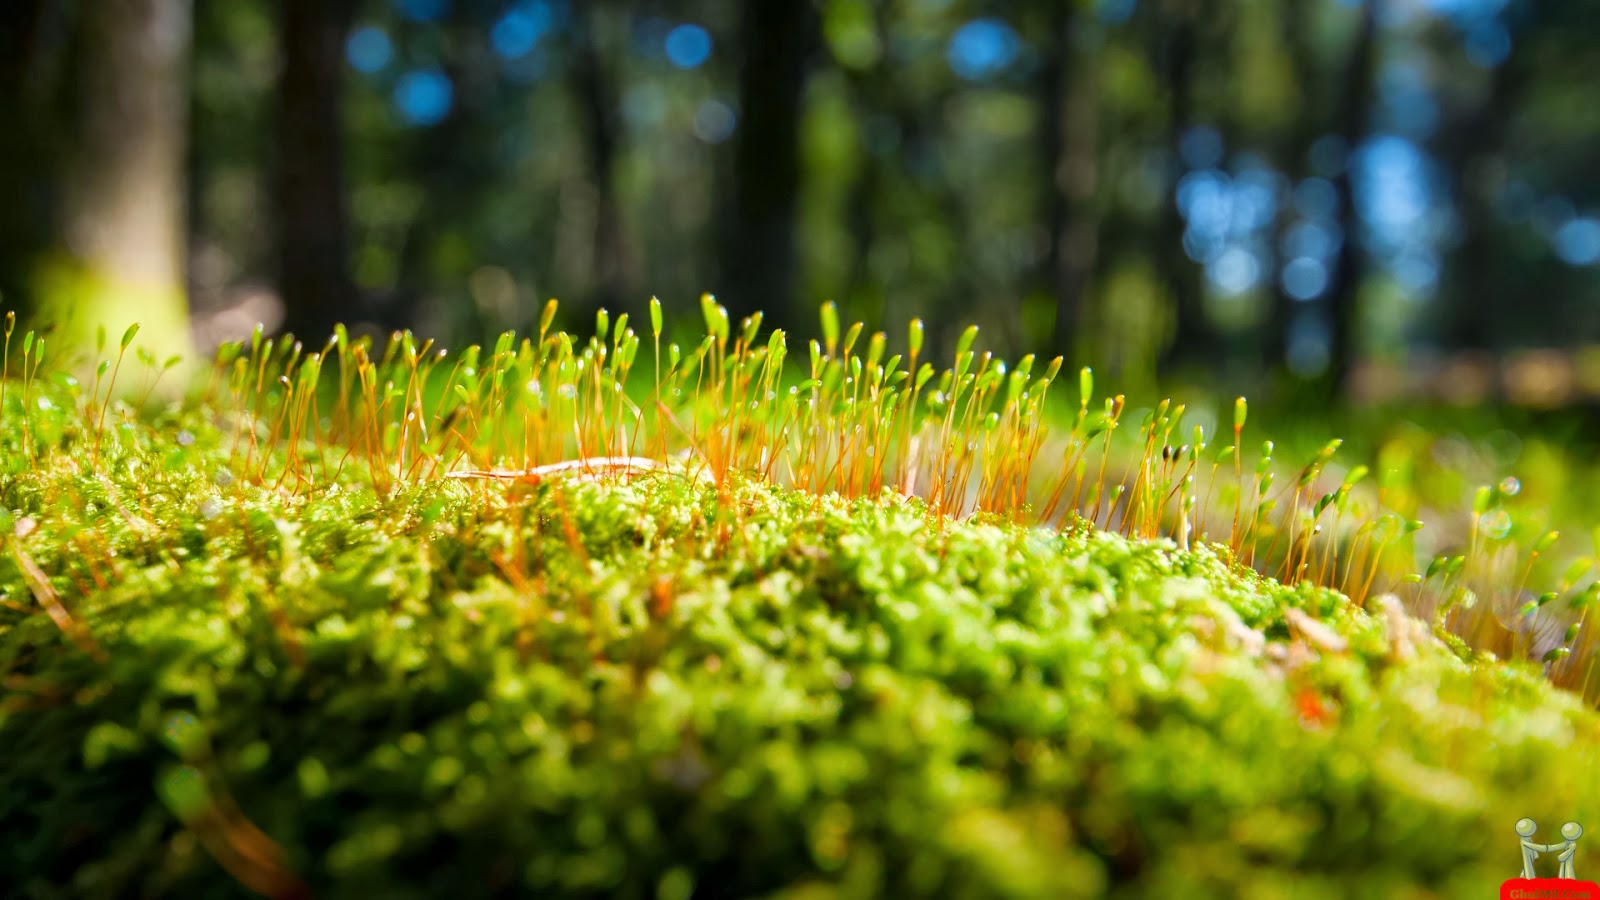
659	687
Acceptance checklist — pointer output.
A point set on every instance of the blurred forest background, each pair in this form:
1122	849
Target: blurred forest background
1356	197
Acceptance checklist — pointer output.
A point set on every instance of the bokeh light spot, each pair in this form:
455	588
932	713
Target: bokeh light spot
1316	238
1115	12
1417	270
982	48
1234	272
1577	242
688	46
422	10
424	96
714	121
369	49
517	32
1305	278
1488	44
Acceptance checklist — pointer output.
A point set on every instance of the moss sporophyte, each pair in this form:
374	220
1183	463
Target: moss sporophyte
394	621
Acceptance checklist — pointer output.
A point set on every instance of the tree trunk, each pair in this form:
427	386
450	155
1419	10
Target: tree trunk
1070	135
453	173
312	217
1349	267
597	95
1293	152
27	218
123	209
759	246
1192	339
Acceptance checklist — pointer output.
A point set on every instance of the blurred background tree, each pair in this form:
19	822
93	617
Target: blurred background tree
102	98
1327	195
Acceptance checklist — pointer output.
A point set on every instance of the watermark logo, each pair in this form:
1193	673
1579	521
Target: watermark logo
1566	885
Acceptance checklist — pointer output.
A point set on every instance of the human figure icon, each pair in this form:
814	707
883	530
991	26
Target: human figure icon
1530	850
1568	850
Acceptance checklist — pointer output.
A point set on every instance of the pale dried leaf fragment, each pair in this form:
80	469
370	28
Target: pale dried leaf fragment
588	467
1236	632
1402	628
1313	632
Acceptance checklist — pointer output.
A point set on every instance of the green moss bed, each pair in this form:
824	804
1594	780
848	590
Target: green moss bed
660	688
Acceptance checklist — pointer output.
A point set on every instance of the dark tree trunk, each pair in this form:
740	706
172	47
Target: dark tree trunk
27	180
312	217
1293	155
455	172
1069	134
1192	338
1349	266
778	37
597	93
861	212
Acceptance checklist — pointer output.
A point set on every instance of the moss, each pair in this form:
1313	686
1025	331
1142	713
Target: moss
663	688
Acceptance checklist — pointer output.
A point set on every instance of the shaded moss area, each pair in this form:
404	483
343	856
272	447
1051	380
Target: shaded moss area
659	688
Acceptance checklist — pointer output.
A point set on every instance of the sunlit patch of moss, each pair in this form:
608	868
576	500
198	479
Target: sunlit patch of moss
760	668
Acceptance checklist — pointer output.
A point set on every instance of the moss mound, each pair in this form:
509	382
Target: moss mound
658	688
